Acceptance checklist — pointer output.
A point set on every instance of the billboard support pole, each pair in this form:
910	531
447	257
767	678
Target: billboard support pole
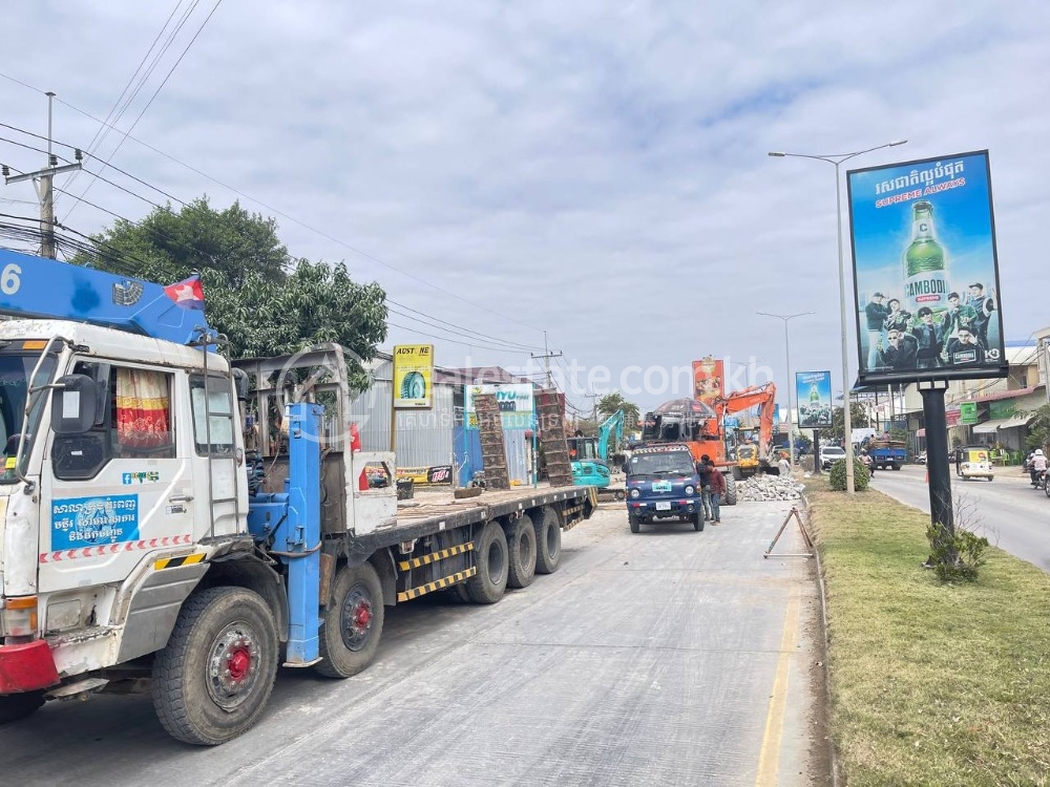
938	466
817	470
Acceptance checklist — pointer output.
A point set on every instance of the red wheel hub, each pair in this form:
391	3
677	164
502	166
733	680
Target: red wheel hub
362	615
239	663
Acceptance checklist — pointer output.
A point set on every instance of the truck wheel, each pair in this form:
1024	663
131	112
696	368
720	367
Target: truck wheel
490	557
18	706
521	551
212	680
353	622
698	521
729	498
548	542
635	523
738	474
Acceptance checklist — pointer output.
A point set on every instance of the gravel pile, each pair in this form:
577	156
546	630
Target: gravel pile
759	488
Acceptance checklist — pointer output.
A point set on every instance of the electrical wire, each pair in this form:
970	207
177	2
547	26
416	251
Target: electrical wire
156	92
304	225
294	220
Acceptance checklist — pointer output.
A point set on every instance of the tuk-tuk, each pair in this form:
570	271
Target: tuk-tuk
974	462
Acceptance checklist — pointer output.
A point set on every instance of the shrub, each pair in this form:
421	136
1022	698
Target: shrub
956	558
837	476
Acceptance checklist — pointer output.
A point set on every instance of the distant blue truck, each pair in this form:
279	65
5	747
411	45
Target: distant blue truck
888	454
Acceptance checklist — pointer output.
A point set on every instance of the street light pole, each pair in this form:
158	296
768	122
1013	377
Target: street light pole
847	422
787	360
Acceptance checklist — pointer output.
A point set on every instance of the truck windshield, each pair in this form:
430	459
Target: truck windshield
667	463
15	369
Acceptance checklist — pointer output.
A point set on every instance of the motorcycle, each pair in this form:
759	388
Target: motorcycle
1039	481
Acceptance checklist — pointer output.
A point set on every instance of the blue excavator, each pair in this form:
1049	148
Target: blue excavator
590	455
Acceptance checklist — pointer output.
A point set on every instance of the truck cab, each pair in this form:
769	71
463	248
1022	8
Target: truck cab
663	485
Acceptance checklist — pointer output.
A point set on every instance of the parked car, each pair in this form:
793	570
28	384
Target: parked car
829	454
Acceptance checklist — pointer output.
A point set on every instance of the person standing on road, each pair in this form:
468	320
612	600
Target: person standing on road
703	469
717	486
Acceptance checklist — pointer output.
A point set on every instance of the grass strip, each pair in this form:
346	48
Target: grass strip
931	684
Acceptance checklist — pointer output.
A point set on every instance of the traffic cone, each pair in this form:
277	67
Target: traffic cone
927	479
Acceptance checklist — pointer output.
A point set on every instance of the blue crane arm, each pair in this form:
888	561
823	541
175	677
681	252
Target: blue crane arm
613	424
51	289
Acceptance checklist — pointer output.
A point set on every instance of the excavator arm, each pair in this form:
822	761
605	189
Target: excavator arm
762	396
611	426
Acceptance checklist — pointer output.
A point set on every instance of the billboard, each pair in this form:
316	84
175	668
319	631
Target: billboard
925	270
516	404
413	376
708	381
813	399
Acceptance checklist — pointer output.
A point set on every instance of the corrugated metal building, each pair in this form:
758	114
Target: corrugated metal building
435	437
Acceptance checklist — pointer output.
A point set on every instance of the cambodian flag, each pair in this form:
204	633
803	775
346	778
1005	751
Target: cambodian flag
188	293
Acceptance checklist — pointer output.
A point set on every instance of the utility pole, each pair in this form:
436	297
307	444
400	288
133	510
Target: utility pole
44	180
594	407
547	355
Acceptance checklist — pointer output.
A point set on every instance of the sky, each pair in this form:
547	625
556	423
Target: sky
589	176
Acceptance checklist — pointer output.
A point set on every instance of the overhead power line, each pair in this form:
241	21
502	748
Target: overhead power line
274	210
160	87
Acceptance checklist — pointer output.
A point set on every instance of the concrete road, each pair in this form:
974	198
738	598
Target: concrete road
1007	511
670	657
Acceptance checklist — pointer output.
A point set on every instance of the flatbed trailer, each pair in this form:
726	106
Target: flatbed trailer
175	522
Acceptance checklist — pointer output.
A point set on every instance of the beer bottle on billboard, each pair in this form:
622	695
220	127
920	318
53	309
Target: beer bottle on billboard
925	279
814	396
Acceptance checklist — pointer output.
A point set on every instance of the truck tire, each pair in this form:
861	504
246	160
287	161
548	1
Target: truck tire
635	523
414	386
521	551
353	622
19	706
490	557
698	521
548	541
729	497
212	680
738	474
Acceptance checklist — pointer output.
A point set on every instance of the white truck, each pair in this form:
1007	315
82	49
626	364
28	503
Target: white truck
170	520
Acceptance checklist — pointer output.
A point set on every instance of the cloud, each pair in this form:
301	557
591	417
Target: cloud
594	170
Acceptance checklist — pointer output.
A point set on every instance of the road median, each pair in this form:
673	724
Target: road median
930	683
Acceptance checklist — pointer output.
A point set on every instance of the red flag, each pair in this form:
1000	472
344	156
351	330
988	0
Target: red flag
188	293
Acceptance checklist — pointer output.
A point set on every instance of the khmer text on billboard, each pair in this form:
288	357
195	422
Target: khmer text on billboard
925	270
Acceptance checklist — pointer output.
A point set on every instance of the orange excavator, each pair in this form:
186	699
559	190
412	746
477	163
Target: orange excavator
702	427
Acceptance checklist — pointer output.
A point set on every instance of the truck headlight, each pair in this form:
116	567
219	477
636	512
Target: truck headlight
634	494
689	490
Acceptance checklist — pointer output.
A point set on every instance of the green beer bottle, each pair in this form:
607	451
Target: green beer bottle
925	280
814	397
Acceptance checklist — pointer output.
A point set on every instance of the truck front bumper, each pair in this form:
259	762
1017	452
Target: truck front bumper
26	667
658	509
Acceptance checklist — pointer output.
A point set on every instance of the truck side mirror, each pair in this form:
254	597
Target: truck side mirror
74	404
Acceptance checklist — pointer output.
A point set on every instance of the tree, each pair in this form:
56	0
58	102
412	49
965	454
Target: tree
169	246
614	401
262	300
1039	429
836	432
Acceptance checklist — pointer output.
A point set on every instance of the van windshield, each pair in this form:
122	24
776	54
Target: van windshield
663	463
15	369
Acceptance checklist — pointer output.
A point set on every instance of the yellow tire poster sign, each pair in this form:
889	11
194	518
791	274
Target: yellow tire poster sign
413	376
